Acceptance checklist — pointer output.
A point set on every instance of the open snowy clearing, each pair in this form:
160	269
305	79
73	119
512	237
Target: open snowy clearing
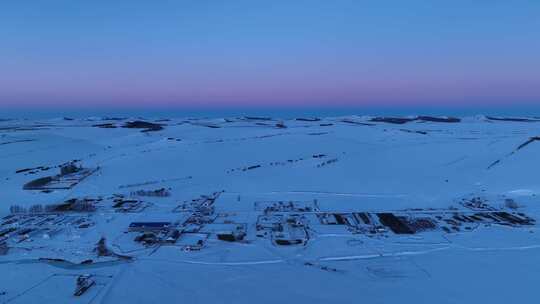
256	209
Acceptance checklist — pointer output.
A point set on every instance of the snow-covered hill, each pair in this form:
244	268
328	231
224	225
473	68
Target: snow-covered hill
256	209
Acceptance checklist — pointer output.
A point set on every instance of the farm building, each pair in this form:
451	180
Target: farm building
149	226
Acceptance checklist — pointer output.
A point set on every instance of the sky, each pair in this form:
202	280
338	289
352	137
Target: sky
279	53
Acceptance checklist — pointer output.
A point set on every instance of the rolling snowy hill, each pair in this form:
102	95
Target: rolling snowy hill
256	209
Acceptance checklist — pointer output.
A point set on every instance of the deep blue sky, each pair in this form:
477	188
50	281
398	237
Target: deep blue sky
269	53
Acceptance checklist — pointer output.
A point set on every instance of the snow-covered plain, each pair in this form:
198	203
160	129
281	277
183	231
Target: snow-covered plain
321	170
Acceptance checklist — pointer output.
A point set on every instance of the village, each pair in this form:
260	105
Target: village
195	225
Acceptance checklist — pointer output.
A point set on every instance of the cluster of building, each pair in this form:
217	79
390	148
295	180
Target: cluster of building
188	219
128	205
288	223
17	228
69	176
285	223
